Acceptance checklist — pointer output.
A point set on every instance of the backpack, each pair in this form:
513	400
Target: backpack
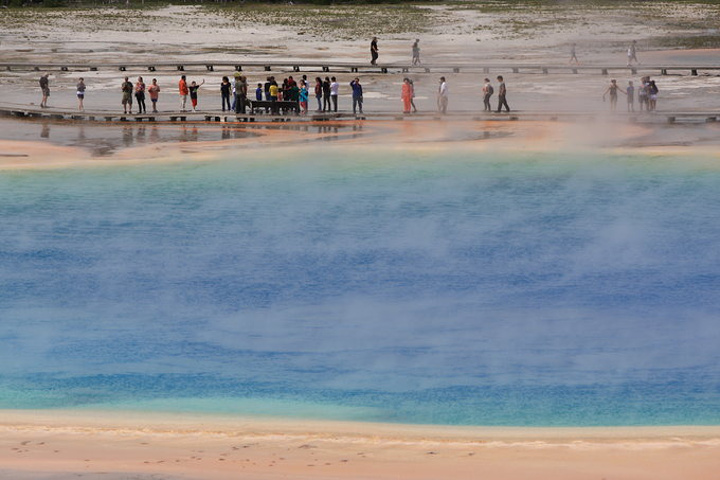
490	90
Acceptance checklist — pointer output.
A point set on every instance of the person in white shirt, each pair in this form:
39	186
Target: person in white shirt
334	90
442	96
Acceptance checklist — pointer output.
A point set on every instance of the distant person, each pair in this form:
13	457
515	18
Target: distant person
259	92
374	51
412	95
334	91
225	89
154	92
612	91
80	92
406	95
642	92
573	54
45	88
443	93
193	89
127	91
630	93
632	53
318	92
184	92
241	90
653	91
357	95
488	91
303	97
416	52
140	95
326	94
502	95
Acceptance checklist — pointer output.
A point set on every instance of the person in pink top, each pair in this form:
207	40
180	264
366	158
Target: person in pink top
406	95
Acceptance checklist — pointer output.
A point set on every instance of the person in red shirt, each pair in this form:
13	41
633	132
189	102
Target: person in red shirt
184	92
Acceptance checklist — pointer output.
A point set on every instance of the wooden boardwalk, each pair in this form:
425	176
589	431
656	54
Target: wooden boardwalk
355	67
110	117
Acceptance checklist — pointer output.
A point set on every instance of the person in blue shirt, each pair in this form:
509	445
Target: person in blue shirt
357	95
259	92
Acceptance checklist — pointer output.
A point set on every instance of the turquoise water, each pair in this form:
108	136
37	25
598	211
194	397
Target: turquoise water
449	289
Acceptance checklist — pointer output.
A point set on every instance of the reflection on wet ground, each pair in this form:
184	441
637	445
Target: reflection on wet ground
103	140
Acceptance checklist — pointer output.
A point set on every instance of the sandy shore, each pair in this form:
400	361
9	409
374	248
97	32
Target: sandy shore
99	444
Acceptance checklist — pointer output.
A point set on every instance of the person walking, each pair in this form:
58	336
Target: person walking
502	95
573	54
612	90
632	53
334	91
357	94
488	91
406	95
412	95
416	52
374	52
127	90
184	92
443	93
80	92
45	88
154	92
140	95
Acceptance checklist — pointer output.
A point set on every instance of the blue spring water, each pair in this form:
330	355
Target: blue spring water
459	288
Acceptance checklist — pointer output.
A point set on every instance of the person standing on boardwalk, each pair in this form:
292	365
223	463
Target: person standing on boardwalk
443	93
193	88
241	89
318	92
127	89
406	95
613	91
416	52
488	91
303	97
154	91
357	95
334	91
225	88
502	95
653	91
140	95
412	95
45	88
374	51
573	54
80	91
184	92
630	92
326	94
632	53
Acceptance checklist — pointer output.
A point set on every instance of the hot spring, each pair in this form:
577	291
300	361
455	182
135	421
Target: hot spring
465	288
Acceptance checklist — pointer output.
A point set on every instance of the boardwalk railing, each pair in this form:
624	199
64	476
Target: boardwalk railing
354	67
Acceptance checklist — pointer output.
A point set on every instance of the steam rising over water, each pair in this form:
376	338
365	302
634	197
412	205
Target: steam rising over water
459	289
